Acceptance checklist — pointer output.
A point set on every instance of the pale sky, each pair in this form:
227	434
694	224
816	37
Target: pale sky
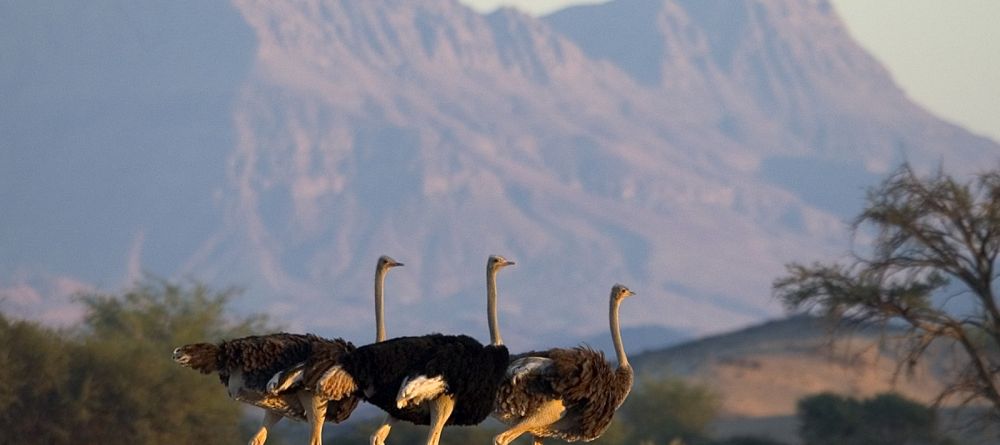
944	53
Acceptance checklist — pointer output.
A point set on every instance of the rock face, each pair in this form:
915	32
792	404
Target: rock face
687	148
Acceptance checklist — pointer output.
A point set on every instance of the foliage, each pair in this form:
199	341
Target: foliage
660	410
828	419
929	235
33	383
111	379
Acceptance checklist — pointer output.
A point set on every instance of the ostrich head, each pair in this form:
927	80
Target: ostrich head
385	261
620	292
496	262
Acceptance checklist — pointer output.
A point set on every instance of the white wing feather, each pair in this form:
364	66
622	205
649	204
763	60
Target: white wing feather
285	379
522	367
419	390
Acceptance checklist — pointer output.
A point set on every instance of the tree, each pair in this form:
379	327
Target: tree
931	236
829	419
110	380
33	380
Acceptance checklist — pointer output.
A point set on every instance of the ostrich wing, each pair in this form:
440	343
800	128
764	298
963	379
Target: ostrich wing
286	380
419	390
335	384
524	367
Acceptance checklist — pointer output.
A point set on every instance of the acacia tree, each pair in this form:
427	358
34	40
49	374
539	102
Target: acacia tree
934	240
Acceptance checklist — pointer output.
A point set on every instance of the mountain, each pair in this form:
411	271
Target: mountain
686	148
637	339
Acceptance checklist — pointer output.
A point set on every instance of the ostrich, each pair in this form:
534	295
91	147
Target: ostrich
571	394
303	376
434	379
245	364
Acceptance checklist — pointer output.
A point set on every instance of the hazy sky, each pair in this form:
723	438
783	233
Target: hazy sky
944	53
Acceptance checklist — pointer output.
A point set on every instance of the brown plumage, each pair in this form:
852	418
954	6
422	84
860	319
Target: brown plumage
245	365
571	394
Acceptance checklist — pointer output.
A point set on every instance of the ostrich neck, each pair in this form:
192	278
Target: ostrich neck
616	335
379	305
491	306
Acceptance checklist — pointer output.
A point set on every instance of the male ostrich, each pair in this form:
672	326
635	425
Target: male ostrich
303	376
571	394
245	364
434	379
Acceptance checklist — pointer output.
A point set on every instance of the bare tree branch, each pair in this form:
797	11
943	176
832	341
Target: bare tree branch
926	230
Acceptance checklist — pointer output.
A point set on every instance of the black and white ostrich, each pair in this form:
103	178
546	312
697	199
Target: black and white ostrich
246	365
571	394
303	376
434	379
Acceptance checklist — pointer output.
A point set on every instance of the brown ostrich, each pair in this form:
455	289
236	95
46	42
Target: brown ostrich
570	394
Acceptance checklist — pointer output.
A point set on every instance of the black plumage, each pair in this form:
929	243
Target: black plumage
568	393
331	404
472	371
433	379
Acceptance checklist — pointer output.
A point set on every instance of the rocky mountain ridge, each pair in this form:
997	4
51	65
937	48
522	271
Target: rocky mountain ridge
681	147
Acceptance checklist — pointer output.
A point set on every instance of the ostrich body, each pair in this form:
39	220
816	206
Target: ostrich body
303	377
434	379
245	365
571	394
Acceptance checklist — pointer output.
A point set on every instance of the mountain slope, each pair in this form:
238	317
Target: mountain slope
542	165
764	370
686	157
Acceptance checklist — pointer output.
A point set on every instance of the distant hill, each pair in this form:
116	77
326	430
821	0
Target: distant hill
686	148
637	340
763	370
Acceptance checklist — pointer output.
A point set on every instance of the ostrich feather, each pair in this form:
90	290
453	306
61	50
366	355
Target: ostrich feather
419	390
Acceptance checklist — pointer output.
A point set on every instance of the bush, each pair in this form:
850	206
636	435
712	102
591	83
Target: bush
110	380
828	419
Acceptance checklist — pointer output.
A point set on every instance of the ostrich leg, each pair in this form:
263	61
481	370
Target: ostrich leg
378	437
270	418
547	414
441	408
